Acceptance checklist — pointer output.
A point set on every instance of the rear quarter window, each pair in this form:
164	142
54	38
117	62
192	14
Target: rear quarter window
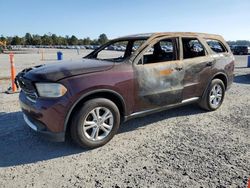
216	46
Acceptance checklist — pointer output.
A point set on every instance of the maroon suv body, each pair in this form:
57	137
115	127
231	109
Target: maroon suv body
153	73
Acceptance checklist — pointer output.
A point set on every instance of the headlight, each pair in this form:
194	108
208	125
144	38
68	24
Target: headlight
51	90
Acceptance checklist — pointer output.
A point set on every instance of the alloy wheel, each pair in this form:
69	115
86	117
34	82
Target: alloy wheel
98	123
216	95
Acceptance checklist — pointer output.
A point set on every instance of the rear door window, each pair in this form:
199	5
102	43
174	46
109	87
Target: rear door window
192	48
216	46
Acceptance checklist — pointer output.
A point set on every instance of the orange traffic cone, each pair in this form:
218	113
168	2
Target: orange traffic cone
13	73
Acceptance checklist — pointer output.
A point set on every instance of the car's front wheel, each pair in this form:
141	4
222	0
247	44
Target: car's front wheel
95	123
214	95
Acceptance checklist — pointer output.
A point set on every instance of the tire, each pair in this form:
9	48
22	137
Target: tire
213	96
95	123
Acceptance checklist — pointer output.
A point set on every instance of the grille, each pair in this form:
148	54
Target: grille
27	87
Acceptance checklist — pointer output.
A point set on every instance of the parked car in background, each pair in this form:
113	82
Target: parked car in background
96	46
239	49
89	47
91	97
111	47
120	48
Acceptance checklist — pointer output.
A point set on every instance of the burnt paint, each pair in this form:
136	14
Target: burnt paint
59	70
158	89
159	83
197	73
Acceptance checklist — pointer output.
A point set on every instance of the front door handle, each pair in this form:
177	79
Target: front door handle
178	68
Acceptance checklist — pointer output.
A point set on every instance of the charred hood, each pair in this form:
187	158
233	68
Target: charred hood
63	69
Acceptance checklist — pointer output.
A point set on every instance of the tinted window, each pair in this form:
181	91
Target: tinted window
216	46
163	50
192	48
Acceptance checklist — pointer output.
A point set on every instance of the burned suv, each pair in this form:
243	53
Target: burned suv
127	77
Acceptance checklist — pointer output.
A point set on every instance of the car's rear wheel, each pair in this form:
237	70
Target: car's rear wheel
213	96
95	123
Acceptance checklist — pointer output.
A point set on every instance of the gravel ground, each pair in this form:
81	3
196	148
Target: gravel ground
183	147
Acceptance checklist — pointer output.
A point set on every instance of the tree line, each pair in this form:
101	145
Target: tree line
53	39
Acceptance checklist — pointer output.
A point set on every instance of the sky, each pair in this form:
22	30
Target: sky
90	18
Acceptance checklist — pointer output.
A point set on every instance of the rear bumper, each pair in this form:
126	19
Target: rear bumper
56	137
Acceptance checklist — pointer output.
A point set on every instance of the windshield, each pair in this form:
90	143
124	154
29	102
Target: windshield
116	51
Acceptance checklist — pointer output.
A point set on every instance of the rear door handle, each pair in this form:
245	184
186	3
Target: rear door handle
209	64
